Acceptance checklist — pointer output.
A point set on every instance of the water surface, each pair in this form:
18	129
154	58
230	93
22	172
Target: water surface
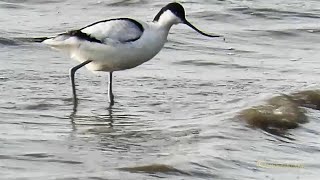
175	116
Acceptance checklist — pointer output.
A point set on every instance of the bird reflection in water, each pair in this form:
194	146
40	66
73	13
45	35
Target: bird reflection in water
96	120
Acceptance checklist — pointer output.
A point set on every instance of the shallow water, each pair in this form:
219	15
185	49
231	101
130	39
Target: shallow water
176	115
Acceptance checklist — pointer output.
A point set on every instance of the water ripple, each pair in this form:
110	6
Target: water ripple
270	13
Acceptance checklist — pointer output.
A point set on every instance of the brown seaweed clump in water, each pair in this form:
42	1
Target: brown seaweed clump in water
153	168
280	113
308	98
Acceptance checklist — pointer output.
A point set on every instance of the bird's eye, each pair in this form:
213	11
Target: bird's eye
176	13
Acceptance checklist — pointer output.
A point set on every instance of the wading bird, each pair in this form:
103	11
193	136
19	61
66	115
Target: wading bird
120	43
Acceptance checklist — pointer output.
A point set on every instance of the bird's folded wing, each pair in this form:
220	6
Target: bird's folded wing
115	30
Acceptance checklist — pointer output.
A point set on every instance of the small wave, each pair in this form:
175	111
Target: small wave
8	42
125	3
19	2
44	1
215	16
153	168
269	13
310	30
40	106
31	39
206	63
12	6
20	40
285	33
37	155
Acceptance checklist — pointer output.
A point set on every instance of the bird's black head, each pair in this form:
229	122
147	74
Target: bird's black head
175	8
174	13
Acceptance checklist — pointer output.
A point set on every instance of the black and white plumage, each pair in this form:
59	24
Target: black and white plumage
119	44
119	30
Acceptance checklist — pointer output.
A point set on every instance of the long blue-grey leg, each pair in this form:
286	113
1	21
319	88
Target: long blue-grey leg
72	72
110	94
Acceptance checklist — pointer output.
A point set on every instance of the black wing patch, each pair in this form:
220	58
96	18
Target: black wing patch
81	35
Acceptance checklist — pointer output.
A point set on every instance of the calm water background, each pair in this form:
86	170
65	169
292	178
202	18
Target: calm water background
178	109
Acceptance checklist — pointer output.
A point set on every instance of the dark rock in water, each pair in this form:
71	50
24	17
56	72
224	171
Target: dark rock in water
308	98
288	109
153	168
280	112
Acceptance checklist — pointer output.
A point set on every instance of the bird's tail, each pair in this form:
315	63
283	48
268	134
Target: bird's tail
33	39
